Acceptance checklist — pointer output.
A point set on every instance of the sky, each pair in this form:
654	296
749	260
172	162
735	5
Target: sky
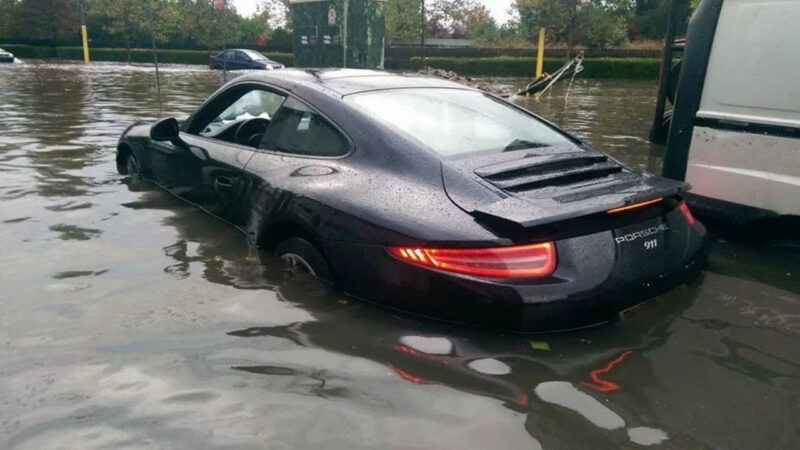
498	8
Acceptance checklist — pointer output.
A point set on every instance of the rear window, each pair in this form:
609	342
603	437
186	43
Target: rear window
454	121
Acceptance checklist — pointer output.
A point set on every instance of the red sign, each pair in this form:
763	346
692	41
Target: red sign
219	4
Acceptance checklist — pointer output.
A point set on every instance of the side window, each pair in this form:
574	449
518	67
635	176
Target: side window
299	130
241	115
256	103
230	55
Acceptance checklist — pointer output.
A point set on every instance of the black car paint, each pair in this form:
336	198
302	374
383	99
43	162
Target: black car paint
388	190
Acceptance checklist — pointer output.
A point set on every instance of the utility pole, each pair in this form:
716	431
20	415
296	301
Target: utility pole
220	4
344	33
155	53
422	36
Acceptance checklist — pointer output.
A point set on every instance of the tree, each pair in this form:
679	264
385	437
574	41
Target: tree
649	19
601	28
49	19
560	17
478	20
591	22
453	18
9	14
124	18
403	19
198	22
277	13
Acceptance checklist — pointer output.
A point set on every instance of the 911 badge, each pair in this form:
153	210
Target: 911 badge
641	234
651	244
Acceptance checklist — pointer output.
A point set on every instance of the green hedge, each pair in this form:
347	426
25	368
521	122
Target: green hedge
506	66
138	55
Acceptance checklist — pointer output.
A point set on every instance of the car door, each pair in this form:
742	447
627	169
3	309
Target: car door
229	60
299	154
182	167
166	169
213	161
213	174
243	60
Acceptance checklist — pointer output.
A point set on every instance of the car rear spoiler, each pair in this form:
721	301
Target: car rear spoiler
531	212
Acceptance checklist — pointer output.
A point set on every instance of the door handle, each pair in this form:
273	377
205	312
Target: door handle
223	183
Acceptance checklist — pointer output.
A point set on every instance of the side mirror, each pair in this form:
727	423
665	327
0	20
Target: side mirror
166	130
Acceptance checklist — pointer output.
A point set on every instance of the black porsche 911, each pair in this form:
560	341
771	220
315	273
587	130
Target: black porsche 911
426	196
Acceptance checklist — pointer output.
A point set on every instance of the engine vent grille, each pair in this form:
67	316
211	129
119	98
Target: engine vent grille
539	172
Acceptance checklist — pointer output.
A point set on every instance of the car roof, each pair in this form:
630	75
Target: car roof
347	81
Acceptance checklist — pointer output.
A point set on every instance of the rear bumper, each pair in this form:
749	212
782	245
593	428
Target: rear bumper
605	302
591	285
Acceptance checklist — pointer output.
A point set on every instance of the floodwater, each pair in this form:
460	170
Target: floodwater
131	320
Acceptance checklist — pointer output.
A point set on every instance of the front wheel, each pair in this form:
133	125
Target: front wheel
134	172
299	255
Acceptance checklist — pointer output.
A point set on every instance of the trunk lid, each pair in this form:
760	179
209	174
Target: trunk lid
545	185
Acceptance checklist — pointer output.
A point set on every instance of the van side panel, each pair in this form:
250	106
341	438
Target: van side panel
757	170
752	74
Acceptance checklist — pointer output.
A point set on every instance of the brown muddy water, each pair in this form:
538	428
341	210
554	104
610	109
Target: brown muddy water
131	320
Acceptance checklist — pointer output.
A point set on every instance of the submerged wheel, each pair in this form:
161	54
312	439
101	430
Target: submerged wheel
132	166
299	255
134	172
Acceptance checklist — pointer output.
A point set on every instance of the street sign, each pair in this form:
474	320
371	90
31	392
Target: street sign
332	16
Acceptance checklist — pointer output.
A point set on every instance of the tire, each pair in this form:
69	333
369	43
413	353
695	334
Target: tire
132	166
134	172
299	255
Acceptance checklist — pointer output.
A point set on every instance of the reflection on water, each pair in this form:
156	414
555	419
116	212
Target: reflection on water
130	319
613	115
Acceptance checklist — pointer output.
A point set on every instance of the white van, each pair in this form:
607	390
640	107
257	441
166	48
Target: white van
735	132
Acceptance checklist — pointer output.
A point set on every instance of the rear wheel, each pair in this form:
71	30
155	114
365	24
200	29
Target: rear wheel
300	256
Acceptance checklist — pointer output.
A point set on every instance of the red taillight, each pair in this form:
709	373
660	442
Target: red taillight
533	260
688	214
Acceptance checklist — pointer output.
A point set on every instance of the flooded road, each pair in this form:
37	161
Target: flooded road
129	319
